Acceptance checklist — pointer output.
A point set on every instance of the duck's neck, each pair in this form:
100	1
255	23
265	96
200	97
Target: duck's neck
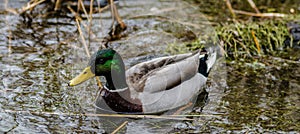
116	80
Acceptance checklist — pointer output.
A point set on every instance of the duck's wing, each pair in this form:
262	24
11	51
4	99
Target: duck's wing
173	98
162	73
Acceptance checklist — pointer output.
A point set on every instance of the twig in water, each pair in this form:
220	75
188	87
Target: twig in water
11	10
120	127
183	108
89	18
31	6
90	22
168	117
82	38
9	31
91	8
84	10
102	9
57	5
230	8
111	3
260	14
284	60
257	14
252	4
79	18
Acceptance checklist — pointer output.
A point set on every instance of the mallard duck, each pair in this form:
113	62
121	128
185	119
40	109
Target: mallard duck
153	86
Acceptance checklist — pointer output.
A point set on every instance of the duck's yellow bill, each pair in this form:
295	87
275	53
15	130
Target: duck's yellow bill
82	77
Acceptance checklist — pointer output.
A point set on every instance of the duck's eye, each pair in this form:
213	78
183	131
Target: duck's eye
101	61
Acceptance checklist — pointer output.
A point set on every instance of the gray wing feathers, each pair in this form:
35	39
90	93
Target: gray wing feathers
172	75
138	75
177	96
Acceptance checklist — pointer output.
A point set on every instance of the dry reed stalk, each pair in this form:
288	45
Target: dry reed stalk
90	16
111	3
33	1
183	108
222	49
230	8
31	6
82	38
91	12
102	9
99	83
243	45
256	42
282	59
257	14
168	117
9	31
57	5
116	13
11	10
252	4
120	127
91	8
260	14
84	10
77	18
194	115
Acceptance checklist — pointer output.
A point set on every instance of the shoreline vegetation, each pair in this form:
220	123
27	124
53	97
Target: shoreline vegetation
246	34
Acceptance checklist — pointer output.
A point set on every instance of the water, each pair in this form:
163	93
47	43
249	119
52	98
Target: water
39	57
261	97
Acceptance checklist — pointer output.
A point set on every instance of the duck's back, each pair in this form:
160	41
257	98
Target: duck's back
162	73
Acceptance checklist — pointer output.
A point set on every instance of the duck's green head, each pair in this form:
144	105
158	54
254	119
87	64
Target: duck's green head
102	63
